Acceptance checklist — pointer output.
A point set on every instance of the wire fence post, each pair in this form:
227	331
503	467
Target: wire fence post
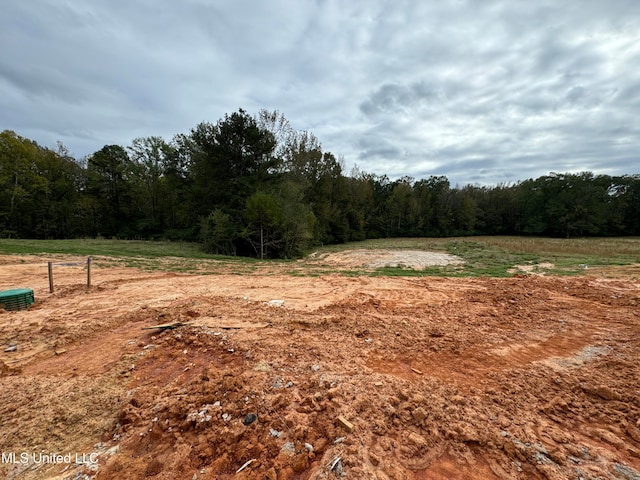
50	277
88	272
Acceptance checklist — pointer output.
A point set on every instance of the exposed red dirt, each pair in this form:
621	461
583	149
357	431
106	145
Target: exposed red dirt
526	377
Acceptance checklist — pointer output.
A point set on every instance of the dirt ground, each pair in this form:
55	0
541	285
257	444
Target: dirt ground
276	376
368	258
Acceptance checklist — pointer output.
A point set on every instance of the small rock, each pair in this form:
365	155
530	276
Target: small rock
402	396
262	366
274	433
308	446
226	417
315	368
11	348
289	448
249	418
419	414
417	440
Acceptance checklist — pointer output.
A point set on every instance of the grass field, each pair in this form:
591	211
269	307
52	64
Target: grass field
483	256
102	247
497	255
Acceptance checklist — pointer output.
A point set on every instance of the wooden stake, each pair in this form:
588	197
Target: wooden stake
88	272
346	424
50	277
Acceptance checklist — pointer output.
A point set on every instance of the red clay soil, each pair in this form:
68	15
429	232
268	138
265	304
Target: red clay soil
362	378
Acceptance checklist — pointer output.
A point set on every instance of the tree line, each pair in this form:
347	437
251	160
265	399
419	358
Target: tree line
253	185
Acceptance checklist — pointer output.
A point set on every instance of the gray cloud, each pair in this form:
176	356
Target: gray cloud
481	92
393	98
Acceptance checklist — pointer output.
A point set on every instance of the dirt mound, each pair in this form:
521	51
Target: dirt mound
372	378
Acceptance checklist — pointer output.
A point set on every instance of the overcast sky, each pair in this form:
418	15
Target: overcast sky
480	91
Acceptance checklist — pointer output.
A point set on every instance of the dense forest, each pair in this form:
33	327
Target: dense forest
252	185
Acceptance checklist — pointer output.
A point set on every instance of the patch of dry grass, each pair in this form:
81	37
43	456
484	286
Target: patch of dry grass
607	247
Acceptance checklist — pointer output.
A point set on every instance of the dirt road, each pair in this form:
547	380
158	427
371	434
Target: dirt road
279	376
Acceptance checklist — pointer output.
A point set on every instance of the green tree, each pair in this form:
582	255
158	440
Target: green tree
155	160
435	205
218	233
263	214
465	210
625	193
20	184
110	175
327	194
228	162
296	220
498	209
285	137
57	201
360	203
565	205
402	208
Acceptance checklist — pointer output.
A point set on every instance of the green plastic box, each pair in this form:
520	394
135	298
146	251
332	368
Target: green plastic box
16	299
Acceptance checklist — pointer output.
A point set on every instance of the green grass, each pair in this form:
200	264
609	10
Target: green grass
145	255
569	256
482	256
116	248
